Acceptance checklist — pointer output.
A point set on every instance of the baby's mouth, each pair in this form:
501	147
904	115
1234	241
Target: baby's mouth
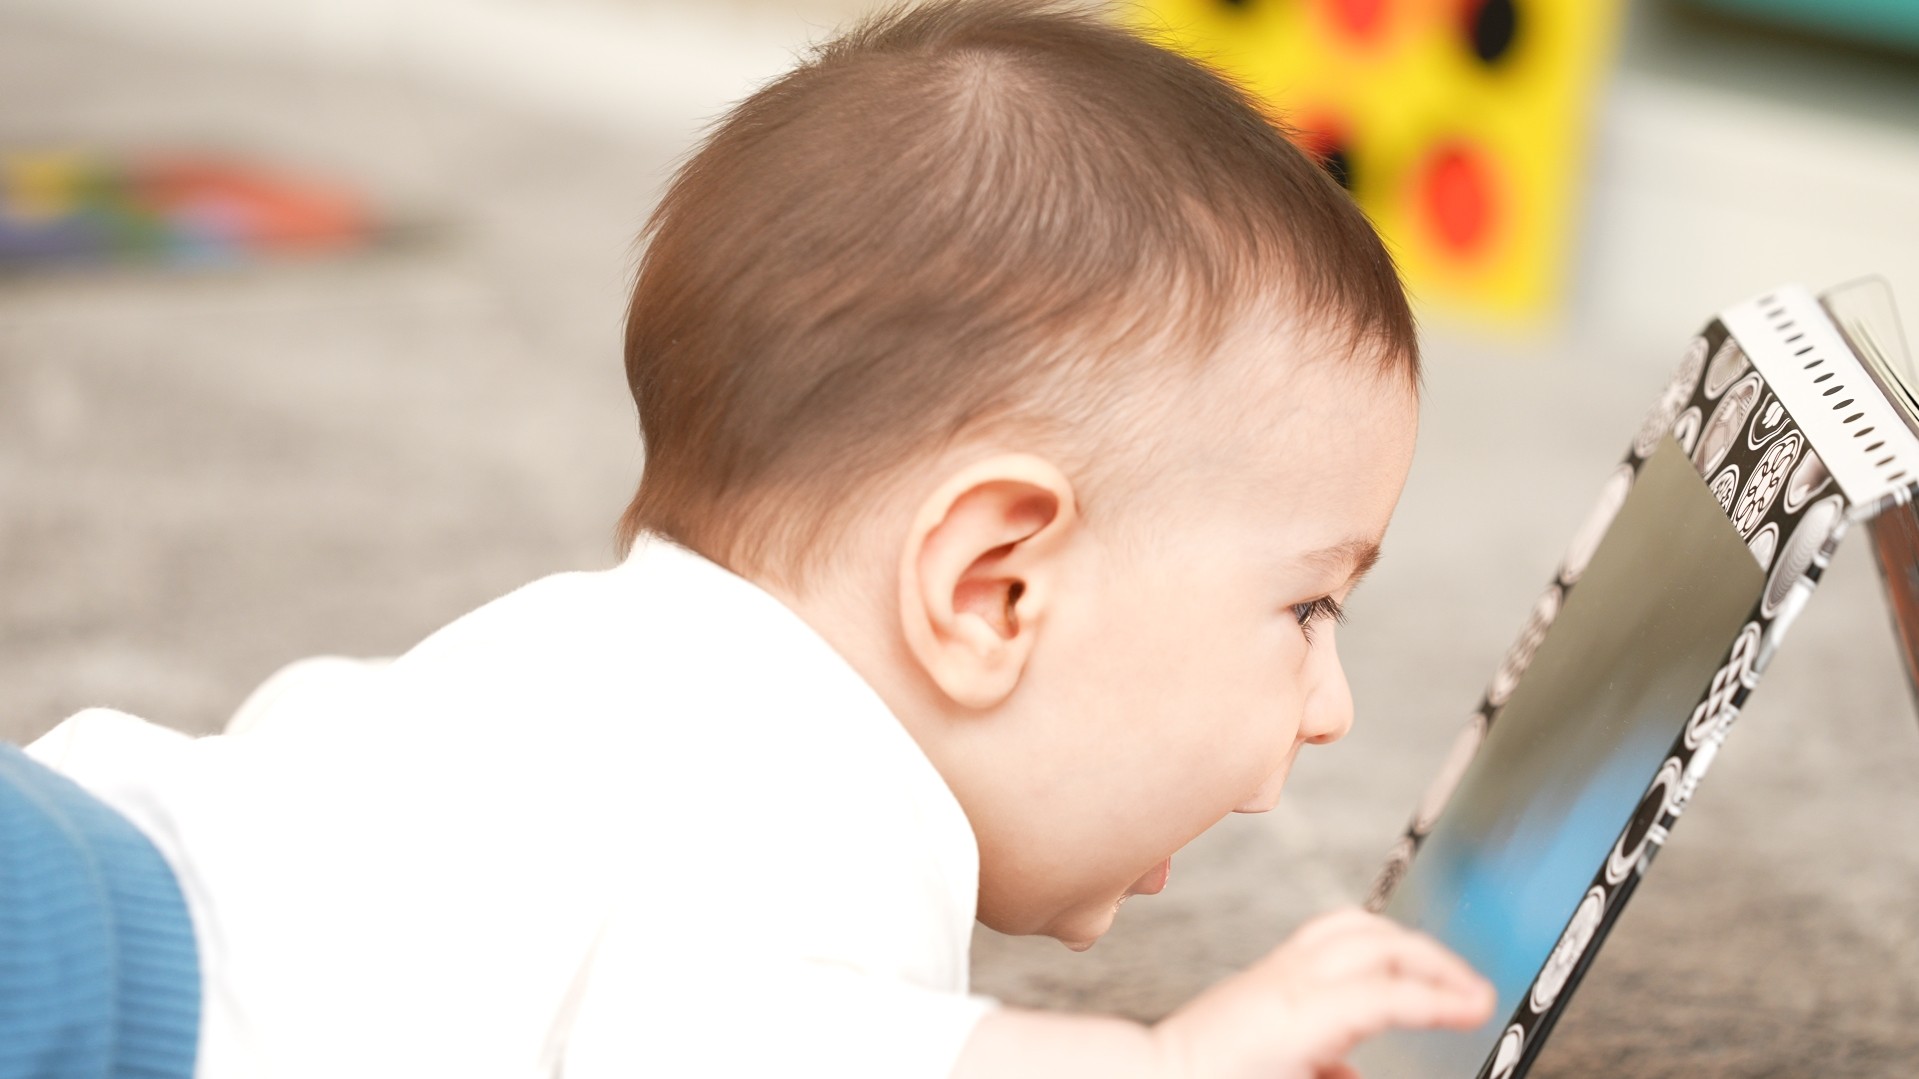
1152	883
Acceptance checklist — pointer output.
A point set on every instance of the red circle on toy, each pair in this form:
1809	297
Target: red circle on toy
1328	141
1361	20
1318	133
1457	199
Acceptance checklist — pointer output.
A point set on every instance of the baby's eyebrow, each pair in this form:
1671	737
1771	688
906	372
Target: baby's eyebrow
1360	554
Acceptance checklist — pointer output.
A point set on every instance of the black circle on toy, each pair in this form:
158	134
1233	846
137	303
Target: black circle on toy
1647	814
1339	165
1491	28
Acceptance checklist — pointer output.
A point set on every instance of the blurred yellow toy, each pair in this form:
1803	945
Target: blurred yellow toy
1458	125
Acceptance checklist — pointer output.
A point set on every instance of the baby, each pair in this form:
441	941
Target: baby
1019	408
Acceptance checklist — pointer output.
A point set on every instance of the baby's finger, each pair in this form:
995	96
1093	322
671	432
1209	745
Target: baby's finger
1397	953
1345	1015
1336	923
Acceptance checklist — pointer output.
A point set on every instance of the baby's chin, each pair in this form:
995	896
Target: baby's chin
1081	927
1085	926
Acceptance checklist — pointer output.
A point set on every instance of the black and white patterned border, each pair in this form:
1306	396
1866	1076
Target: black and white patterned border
1754	457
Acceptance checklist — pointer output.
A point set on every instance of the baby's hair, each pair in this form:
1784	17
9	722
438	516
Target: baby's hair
968	217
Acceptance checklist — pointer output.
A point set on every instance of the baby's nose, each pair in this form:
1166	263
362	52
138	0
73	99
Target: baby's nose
1329	712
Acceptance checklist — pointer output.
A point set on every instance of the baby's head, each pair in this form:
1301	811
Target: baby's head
1066	398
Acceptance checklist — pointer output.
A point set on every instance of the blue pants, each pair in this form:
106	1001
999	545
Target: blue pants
99	974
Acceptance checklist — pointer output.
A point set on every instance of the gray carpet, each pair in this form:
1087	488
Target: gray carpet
206	475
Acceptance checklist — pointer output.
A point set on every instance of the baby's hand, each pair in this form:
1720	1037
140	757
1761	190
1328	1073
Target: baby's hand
1295	1014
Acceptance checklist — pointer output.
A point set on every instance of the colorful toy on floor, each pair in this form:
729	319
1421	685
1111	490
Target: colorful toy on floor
1458	125
63	207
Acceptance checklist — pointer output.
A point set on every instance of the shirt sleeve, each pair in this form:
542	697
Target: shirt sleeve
798	1017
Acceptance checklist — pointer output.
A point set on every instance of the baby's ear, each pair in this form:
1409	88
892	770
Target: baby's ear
978	574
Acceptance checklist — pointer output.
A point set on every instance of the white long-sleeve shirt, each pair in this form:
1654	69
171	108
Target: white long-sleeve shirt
630	823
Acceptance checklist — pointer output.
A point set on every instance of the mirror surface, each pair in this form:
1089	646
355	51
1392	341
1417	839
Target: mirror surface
1567	759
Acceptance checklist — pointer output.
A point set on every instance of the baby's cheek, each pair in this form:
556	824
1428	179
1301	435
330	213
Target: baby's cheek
1270	730
1217	778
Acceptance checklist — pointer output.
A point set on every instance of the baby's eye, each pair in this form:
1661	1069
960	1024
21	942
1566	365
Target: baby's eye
1308	613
